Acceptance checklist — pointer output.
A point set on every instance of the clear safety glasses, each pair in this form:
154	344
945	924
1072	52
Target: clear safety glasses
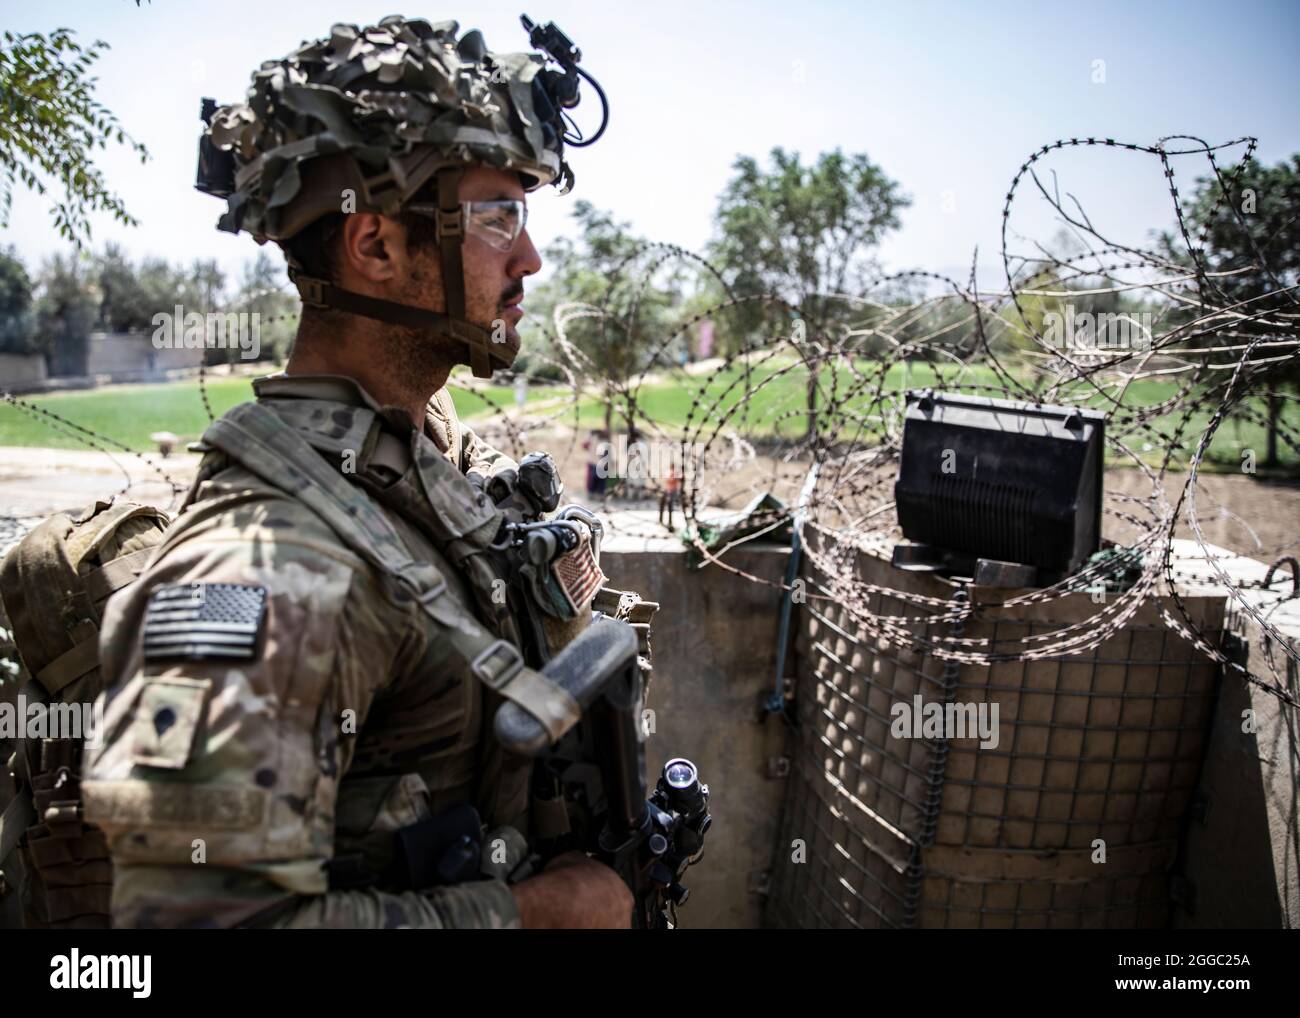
498	223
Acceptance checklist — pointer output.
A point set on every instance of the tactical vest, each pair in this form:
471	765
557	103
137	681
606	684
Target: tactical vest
321	458
282	441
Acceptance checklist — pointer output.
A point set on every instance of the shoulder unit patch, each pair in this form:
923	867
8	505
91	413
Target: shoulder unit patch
204	620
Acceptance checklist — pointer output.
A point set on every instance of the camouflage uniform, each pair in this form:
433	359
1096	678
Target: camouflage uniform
232	791
251	765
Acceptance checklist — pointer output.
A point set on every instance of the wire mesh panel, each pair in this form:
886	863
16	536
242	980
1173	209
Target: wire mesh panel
1058	804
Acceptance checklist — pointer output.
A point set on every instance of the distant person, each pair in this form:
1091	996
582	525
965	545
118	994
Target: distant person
634	482
669	495
597	450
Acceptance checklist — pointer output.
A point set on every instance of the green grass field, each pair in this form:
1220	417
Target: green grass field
128	414
778	401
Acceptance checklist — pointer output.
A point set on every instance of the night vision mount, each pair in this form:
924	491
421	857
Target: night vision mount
561	87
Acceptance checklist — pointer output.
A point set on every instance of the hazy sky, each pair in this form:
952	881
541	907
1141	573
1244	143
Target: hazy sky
948	98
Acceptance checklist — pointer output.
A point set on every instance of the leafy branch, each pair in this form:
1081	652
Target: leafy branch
50	126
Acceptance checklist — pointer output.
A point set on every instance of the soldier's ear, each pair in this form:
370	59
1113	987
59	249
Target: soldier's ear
372	248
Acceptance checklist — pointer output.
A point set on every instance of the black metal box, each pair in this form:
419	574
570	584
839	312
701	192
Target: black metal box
1001	481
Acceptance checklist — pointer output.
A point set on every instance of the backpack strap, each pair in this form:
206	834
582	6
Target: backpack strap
255	437
115	574
19	815
72	664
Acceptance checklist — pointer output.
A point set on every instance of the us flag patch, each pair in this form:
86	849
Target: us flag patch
578	574
204	620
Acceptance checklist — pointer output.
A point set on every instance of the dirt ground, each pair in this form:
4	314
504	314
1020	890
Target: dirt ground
1256	518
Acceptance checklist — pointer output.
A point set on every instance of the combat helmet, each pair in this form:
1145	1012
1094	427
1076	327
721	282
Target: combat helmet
364	119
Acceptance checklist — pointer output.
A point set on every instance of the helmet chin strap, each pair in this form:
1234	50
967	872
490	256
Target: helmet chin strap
484	353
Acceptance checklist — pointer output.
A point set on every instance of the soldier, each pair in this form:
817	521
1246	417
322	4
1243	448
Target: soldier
308	671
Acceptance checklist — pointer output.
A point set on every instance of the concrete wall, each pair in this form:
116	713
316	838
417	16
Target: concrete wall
121	356
714	642
20	372
1241	855
130	355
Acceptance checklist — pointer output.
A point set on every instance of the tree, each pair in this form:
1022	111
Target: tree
1254	226
124	304
164	285
131	295
17	331
66	302
204	285
637	293
801	233
208	283
264	291
50	125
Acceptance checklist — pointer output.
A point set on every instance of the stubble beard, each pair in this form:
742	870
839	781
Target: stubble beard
420	354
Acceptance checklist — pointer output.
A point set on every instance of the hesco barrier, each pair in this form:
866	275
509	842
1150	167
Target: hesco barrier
1097	758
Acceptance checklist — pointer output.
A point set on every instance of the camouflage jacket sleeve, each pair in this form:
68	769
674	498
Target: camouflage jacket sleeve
479	457
216	781
473	457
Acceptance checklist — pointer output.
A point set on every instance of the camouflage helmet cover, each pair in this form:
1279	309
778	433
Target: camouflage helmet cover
379	111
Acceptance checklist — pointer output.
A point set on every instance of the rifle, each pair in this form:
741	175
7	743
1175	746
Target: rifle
648	841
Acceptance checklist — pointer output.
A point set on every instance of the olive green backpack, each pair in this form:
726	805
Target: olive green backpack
55	868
